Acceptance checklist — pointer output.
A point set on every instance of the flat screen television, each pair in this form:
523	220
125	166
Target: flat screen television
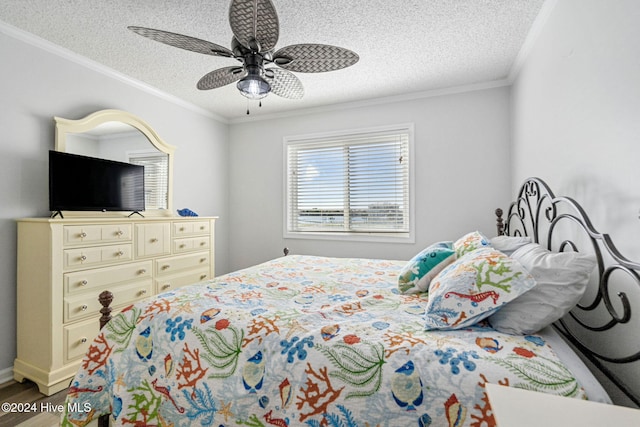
81	183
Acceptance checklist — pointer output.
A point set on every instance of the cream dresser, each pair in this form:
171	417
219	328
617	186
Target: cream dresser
64	264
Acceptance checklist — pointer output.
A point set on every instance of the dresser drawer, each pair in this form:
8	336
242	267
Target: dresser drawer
191	244
104	278
168	283
87	305
78	337
153	239
169	266
187	228
96	233
96	255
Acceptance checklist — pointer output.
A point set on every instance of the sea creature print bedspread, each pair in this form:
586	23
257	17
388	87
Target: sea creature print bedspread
301	341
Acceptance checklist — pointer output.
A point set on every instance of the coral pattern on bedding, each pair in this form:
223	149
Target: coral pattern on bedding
470	242
301	341
473	287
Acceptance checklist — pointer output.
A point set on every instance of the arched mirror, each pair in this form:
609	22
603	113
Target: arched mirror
121	136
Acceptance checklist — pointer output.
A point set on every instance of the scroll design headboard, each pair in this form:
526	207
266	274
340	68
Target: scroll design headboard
545	218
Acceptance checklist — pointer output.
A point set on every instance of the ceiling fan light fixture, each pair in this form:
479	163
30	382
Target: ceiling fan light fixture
253	86
255	28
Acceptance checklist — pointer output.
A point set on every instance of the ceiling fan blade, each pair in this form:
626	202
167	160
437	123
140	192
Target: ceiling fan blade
314	58
220	77
284	83
254	24
183	42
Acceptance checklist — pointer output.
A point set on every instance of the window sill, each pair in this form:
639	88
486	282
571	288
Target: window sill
353	237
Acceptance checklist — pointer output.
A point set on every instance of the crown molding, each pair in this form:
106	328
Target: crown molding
376	101
62	52
530	40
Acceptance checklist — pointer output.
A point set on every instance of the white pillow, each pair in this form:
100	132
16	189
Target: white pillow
509	244
561	278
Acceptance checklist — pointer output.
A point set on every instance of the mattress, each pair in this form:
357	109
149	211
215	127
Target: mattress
304	340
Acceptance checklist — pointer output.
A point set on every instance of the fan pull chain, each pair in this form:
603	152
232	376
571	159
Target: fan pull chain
259	105
248	102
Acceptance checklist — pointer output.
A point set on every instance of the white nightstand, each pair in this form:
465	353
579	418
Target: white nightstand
513	407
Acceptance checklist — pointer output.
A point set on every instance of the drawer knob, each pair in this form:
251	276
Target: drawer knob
119	233
83	283
83	257
154	240
181	228
166	286
84	307
203	260
120	253
83	235
202	243
166	267
143	292
202	227
203	276
143	271
182	245
83	340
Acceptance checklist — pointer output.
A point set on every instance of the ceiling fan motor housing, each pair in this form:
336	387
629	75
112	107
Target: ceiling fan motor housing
253	85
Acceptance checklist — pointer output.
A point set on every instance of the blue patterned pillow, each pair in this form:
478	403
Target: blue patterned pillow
418	272
470	242
473	287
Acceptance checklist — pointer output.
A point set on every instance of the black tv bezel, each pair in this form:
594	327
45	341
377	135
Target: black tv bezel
91	208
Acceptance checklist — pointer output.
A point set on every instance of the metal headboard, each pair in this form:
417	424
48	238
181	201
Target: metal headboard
595	327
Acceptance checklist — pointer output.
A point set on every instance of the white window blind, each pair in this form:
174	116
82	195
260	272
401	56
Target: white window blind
156	177
354	183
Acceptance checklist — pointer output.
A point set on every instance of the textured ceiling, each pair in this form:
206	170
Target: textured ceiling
405	46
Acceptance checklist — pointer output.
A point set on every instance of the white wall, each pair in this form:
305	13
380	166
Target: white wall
461	149
576	122
575	112
36	85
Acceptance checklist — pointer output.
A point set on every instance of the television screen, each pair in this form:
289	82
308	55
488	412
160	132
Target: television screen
81	183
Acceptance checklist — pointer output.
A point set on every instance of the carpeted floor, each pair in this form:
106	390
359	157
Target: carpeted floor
42	410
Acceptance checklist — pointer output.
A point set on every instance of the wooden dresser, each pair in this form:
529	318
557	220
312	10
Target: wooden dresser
64	264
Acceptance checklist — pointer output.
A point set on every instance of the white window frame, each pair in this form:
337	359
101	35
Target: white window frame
383	237
162	188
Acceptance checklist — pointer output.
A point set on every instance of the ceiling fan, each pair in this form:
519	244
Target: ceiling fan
255	28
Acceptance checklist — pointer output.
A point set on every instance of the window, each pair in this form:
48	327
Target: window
355	184
156	177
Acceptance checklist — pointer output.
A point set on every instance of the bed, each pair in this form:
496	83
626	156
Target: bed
320	341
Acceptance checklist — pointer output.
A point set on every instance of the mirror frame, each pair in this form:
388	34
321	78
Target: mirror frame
67	126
